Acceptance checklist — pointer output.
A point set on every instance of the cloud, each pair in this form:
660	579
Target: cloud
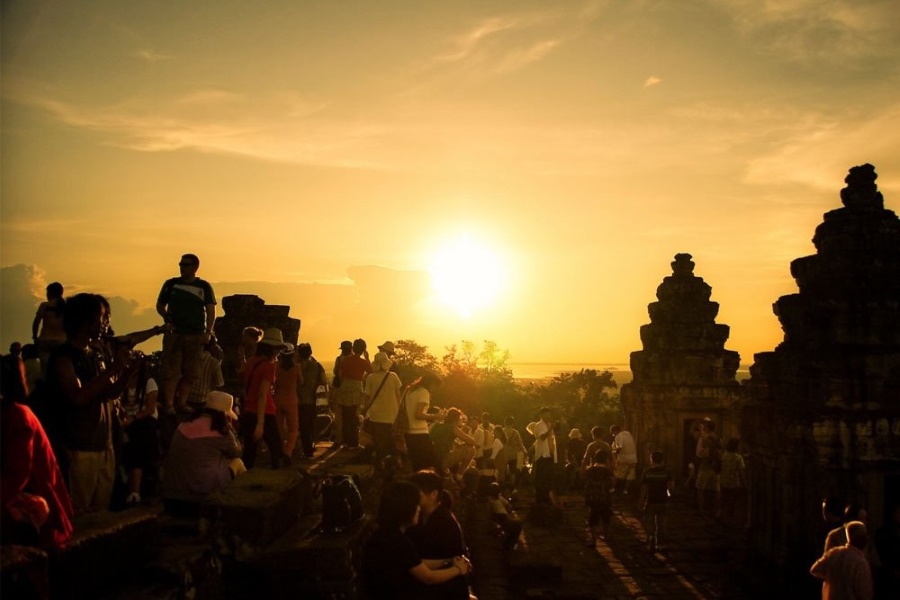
23	289
465	44
151	56
651	81
820	152
841	32
522	57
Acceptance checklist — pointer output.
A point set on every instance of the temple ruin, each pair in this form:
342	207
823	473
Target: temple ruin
248	310
822	416
684	373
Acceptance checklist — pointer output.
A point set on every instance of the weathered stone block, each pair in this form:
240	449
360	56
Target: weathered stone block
24	573
106	549
259	506
304	564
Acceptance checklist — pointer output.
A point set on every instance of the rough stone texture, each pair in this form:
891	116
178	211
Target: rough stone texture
24	573
247	310
823	410
304	563
106	550
258	507
684	372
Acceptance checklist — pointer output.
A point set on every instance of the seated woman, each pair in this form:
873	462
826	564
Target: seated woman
438	533
392	568
204	456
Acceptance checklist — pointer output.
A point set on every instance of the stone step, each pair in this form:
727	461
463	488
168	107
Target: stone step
106	550
303	563
258	507
24	572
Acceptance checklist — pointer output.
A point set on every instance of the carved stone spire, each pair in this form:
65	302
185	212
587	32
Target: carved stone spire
683	344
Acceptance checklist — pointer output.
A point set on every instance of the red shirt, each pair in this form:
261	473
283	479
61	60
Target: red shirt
259	369
29	465
355	367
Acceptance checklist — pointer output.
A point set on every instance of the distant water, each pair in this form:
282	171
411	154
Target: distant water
541	371
544	371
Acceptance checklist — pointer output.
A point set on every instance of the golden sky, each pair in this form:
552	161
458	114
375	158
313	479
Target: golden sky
326	154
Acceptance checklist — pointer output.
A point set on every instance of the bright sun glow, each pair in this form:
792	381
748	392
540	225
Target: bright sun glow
466	276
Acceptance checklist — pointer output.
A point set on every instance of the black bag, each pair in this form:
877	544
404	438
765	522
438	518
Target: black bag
342	504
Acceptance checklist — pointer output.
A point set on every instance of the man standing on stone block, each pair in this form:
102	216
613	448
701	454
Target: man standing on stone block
187	304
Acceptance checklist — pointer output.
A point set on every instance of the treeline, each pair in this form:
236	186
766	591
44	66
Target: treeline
478	379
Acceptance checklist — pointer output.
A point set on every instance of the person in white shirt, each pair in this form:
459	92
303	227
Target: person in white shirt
544	455
487	444
381	393
418	442
626	458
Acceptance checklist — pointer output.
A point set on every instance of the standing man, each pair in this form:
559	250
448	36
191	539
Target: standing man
656	486
187	304
709	460
354	369
338	421
845	569
313	376
79	378
625	452
544	457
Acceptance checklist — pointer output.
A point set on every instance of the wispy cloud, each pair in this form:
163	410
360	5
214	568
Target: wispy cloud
522	57
465	44
651	81
152	56
839	32
823	149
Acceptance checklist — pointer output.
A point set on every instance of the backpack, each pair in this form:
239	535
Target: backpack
342	504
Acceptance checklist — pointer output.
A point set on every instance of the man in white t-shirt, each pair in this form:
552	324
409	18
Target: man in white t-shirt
418	442
544	455
626	457
381	394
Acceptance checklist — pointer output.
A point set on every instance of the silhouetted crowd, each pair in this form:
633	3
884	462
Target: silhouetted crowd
89	423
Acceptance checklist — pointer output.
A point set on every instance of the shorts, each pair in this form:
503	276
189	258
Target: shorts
707	479
626	471
181	356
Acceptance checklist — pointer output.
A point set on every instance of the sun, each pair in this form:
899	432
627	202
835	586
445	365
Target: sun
466	276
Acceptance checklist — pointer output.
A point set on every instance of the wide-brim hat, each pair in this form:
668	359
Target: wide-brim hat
273	337
222	402
382	362
387	348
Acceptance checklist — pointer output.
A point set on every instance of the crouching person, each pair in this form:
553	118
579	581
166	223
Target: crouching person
391	566
204	456
503	514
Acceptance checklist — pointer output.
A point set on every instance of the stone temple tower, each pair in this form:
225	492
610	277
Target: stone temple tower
822	416
684	373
